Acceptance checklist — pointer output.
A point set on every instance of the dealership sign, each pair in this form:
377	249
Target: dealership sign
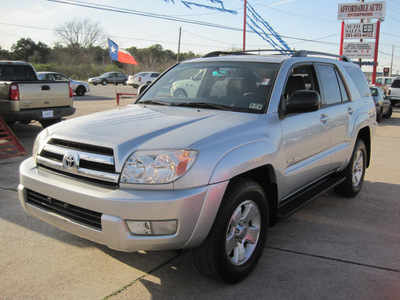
359	50
359	30
363	10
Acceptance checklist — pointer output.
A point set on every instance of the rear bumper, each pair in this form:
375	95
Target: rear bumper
38	114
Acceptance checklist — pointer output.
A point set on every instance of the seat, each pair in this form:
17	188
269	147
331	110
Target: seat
234	87
294	83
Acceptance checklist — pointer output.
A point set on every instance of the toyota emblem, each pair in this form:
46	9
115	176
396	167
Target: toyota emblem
70	161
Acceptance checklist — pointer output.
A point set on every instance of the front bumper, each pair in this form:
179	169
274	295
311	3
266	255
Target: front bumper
194	209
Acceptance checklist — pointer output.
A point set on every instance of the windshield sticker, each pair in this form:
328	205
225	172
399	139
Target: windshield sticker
265	81
257	106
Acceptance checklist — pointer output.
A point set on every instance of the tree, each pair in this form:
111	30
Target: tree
28	50
79	33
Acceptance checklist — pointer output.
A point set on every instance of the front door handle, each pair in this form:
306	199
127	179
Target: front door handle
324	118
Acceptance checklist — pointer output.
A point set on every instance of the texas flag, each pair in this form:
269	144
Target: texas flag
120	54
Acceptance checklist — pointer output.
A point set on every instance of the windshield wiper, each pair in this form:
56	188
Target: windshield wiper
155	102
203	105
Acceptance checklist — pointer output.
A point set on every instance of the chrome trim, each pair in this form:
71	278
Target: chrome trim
76	169
98	158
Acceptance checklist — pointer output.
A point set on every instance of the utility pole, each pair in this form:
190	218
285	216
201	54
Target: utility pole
179	44
244	25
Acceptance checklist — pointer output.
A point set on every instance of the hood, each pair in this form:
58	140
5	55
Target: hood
148	127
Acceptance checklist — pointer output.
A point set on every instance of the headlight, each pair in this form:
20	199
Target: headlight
38	145
153	167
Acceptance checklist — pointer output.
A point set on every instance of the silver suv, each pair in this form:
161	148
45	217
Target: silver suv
212	170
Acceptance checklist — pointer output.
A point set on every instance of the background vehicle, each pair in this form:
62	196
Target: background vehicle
78	87
109	77
394	91
384	83
140	78
262	136
383	106
23	97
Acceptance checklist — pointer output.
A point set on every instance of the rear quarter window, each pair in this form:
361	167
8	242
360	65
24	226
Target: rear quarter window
358	78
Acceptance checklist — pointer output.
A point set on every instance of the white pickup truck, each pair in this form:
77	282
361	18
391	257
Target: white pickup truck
210	169
24	98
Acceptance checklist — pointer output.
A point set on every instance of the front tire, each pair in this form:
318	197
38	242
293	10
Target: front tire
237	238
354	172
180	93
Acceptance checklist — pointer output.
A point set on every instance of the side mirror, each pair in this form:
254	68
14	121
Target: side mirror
142	88
303	101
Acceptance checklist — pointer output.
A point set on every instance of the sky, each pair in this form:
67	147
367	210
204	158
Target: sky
302	24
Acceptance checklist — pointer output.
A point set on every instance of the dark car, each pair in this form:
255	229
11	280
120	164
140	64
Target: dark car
109	77
383	107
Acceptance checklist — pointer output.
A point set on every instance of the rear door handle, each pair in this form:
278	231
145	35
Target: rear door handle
45	88
350	110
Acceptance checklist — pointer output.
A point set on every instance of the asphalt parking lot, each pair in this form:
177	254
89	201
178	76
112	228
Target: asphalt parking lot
334	248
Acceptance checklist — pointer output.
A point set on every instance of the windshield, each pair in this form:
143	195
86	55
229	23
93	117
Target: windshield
236	86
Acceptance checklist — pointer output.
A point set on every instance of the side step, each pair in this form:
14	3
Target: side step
300	199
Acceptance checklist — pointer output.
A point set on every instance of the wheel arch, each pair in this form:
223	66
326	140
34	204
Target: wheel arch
365	135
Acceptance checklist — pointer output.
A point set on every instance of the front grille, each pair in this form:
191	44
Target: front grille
91	162
69	211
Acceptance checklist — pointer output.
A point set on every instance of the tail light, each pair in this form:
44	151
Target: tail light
140	79
389	91
14	92
71	94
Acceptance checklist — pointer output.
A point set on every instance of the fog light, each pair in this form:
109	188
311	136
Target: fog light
153	227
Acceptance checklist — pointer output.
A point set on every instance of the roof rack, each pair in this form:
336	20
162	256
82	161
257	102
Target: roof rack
305	53
294	53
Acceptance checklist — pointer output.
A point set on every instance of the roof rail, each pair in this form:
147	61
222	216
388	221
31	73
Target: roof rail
305	53
245	52
294	53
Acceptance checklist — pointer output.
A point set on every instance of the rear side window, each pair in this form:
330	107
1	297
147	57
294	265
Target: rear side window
331	84
359	81
396	83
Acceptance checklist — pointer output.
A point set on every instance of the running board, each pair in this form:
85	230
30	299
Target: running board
300	199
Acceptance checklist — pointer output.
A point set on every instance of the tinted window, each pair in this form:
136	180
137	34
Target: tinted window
359	80
330	84
16	72
396	83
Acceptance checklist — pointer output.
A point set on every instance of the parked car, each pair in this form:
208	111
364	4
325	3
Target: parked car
142	78
384	83
383	107
109	77
187	87
25	98
394	92
210	172
80	88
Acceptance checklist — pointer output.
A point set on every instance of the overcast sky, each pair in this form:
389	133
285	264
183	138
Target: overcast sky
297	21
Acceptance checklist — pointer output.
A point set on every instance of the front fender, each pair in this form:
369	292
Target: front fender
242	159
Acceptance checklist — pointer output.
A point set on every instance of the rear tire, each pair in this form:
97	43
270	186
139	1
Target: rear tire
354	172
80	90
237	238
47	123
389	114
104	82
379	115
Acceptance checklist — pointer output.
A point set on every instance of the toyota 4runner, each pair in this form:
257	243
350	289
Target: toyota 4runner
210	169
